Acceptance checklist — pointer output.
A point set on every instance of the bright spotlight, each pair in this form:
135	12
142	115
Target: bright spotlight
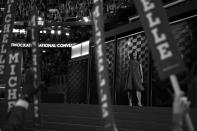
67	34
39	18
52	32
59	32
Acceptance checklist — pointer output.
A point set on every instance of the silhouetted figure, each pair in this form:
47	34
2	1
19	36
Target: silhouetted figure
134	78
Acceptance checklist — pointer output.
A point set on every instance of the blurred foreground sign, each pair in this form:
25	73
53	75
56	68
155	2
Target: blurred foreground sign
13	76
5	37
163	45
101	68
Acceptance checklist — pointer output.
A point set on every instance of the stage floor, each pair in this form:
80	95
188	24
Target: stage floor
81	117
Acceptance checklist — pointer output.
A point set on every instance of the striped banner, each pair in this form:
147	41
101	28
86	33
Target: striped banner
5	38
10	60
101	67
35	67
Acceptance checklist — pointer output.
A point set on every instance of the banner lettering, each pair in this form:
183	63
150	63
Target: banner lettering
163	45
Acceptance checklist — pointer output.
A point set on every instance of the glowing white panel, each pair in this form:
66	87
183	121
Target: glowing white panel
76	51
41	23
85	48
86	19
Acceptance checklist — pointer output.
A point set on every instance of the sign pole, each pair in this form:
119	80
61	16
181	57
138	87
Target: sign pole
175	84
177	92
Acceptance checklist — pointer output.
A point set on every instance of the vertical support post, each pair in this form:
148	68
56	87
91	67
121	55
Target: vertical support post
150	79
89	73
114	70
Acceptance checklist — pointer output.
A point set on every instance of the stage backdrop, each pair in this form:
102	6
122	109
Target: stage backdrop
118	93
110	58
77	82
75	87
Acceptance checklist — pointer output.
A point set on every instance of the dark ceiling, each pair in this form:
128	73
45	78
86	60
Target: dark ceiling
68	16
